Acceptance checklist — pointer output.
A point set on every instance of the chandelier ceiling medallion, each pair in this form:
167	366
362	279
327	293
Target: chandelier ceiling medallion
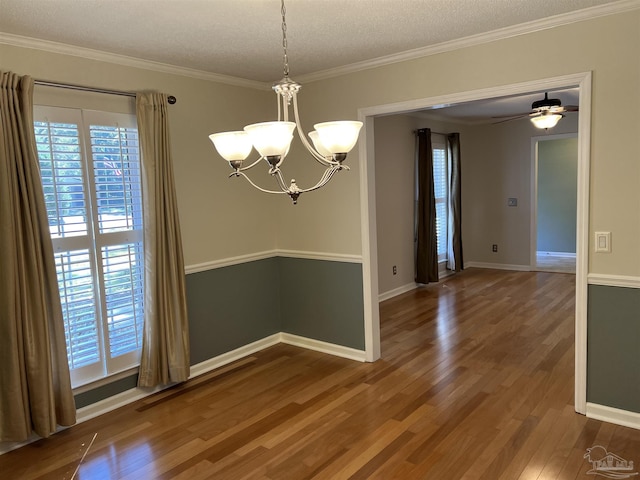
331	140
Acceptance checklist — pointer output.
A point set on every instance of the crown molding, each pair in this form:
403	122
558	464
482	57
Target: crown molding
470	41
65	49
479	39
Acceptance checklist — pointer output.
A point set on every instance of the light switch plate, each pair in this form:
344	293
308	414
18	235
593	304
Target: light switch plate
603	242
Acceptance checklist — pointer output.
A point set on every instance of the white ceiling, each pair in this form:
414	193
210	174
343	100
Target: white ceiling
242	38
495	110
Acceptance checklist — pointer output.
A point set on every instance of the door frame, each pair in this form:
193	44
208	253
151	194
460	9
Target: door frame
533	257
368	206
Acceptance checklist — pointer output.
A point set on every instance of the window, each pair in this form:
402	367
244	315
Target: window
91	176
441	189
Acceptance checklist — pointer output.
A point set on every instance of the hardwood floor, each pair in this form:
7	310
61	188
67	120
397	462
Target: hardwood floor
476	382
547	262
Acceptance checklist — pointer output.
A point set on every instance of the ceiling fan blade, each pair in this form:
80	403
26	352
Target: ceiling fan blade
571	108
511	117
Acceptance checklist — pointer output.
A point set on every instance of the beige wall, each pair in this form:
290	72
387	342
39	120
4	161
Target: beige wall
220	217
395	146
395	165
608	46
496	166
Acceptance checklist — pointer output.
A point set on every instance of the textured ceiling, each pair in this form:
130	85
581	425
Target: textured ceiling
495	109
242	38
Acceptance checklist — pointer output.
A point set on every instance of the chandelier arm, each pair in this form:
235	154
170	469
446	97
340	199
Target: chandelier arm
319	158
251	166
241	174
326	176
285	108
275	172
279	108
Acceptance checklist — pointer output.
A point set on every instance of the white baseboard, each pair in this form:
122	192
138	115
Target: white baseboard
237	354
613	415
6	447
324	347
129	396
557	254
498	266
116	401
397	291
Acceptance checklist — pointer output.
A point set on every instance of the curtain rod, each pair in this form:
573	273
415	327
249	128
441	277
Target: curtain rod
45	83
437	133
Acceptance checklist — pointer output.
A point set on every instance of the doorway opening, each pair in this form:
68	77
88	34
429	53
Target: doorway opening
554	192
582	82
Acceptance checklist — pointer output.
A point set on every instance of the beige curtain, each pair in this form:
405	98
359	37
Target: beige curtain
165	345
35	387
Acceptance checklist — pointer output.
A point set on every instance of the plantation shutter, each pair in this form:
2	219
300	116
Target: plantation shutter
440	184
90	169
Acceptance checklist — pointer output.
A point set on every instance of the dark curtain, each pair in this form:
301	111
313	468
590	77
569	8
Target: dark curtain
426	239
455	206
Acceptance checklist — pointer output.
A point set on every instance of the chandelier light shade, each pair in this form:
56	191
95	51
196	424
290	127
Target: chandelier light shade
271	138
315	138
329	146
232	145
338	137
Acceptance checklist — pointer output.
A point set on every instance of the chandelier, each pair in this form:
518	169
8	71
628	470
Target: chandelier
272	140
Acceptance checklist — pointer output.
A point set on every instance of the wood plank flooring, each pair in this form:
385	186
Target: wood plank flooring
476	382
546	262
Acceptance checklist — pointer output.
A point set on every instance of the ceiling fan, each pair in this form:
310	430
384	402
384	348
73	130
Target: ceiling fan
545	113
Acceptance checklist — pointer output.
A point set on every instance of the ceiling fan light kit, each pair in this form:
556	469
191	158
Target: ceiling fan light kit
546	120
545	113
332	141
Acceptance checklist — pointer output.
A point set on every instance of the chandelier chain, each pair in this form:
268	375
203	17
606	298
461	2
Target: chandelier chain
283	11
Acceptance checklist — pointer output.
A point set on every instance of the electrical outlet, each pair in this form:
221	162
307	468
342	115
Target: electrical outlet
494	248
395	270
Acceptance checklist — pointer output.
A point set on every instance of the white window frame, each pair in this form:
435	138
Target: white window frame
94	240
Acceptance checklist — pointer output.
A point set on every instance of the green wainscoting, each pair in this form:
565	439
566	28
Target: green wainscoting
105	391
613	347
233	306
322	300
